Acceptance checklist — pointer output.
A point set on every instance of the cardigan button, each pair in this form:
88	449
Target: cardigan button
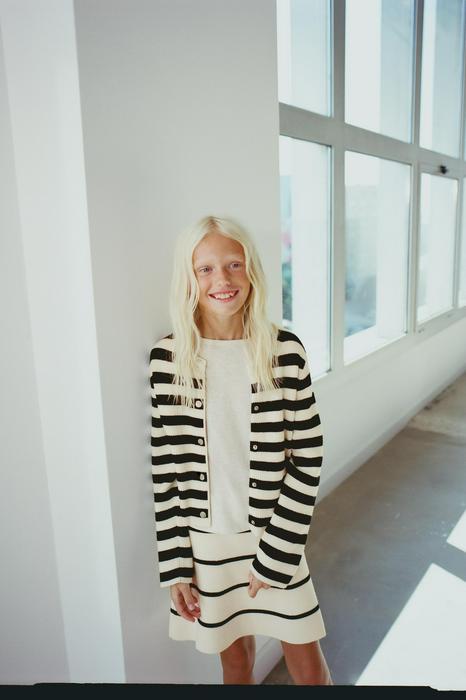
198	403
253	483
256	407
202	477
253	522
203	514
254	446
201	441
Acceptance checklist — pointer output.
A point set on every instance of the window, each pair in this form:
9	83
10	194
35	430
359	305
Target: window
303	44
379	43
377	237
436	245
462	275
372	245
305	225
442	74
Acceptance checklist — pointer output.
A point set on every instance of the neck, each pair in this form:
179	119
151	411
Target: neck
221	331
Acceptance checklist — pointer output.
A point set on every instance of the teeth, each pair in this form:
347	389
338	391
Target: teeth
223	296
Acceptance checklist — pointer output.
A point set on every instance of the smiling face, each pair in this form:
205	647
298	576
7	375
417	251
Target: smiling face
219	266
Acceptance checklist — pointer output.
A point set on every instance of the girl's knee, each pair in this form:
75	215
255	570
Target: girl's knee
240	655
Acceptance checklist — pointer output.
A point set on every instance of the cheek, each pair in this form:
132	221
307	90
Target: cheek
202	291
203	287
247	286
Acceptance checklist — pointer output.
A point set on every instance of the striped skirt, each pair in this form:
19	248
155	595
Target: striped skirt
221	571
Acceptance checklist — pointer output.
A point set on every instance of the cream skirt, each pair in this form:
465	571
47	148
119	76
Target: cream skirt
221	569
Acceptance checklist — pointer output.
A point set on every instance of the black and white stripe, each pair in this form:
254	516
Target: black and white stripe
286	453
228	612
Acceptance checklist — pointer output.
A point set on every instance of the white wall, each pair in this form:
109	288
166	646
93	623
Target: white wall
176	116
381	394
59	588
180	117
30	608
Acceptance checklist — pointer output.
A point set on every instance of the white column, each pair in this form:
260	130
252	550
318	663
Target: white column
44	105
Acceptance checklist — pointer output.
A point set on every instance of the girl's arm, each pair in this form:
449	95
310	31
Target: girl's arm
282	543
175	556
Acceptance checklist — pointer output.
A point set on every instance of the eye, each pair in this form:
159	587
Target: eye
207	267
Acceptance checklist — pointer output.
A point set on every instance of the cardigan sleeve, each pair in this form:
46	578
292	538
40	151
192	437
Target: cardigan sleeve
282	542
173	544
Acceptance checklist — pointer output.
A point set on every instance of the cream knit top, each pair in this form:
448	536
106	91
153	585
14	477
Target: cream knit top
228	419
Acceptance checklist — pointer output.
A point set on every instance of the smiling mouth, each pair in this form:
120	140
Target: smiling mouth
226	299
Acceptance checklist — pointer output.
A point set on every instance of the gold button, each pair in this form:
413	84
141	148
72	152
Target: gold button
254	447
203	514
202	477
201	441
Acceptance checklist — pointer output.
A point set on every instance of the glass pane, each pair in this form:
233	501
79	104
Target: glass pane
376	235
462	282
305	227
442	71
303	47
436	245
379	66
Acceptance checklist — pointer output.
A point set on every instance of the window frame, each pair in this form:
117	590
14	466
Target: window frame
334	132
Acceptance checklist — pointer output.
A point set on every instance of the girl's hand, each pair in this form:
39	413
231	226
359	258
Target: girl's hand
255	584
185	599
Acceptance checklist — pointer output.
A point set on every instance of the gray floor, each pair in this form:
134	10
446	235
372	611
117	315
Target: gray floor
373	537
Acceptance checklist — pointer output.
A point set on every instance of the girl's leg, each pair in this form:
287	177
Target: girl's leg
306	664
238	661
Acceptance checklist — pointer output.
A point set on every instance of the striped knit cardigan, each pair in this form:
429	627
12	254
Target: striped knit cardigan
286	452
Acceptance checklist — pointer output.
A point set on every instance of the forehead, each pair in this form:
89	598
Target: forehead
216	246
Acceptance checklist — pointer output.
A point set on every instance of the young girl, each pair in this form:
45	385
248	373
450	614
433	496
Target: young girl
236	456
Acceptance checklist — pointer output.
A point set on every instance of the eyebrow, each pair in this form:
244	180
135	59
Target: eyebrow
205	261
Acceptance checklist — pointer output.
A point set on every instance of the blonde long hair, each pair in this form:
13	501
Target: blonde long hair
184	297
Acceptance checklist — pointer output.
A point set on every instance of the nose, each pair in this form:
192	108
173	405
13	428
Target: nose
223	281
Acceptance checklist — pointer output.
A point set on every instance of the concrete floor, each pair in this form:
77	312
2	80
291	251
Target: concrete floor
373	538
